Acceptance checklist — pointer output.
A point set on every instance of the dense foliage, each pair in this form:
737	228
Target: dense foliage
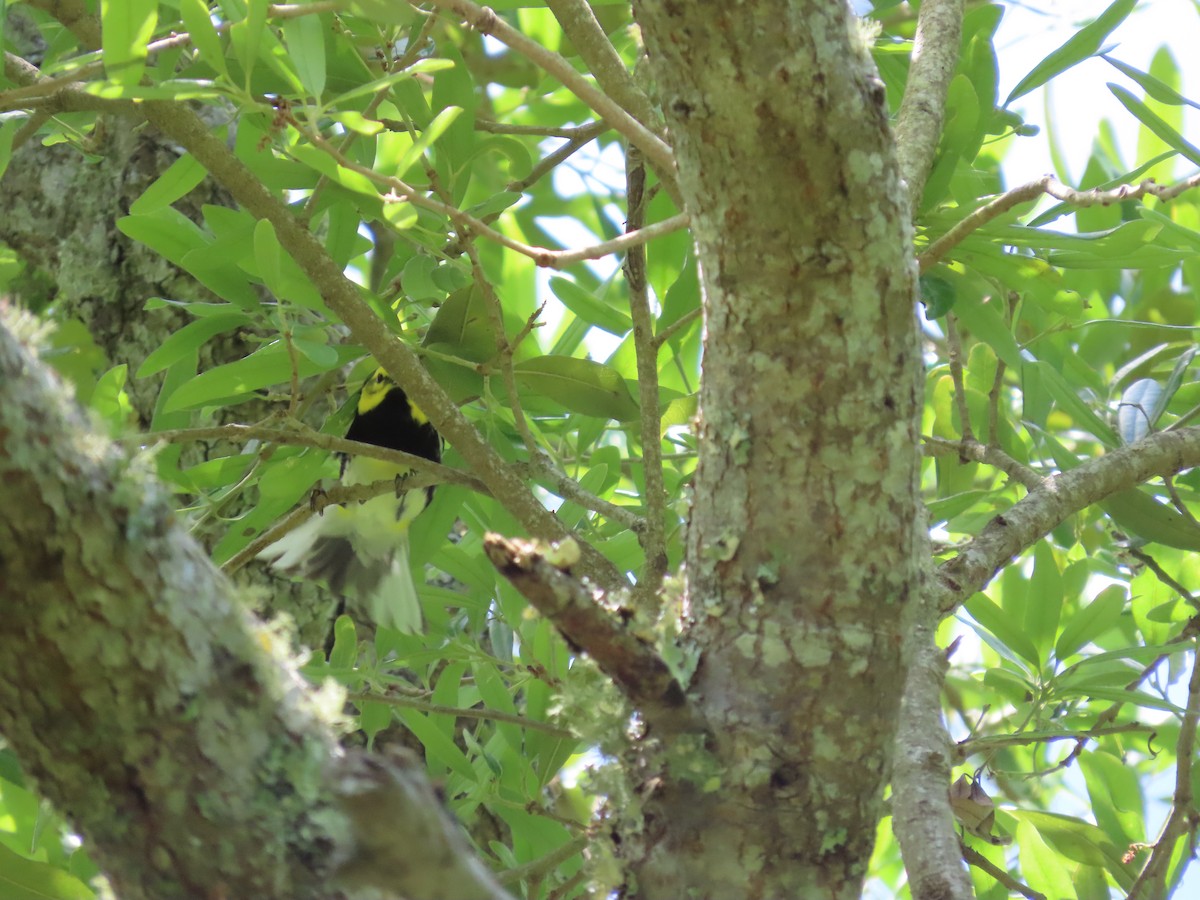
441	170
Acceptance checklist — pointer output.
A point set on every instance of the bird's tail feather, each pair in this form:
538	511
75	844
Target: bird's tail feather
394	602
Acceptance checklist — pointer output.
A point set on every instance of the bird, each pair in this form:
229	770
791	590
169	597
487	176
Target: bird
360	550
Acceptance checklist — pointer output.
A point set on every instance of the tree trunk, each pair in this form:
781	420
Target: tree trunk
804	543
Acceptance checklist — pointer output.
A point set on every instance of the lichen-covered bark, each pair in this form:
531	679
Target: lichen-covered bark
805	543
136	692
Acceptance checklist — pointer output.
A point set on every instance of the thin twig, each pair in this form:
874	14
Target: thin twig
653	539
954	348
1152	879
1047	184
401	191
569	132
678	325
1162	575
992	456
970	746
244	433
977	859
494	715
485	21
558	157
993	432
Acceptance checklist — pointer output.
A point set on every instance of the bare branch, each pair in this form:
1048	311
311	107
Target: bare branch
485	21
992	456
653	539
1047	184
633	665
580	26
923	110
1055	499
921	814
1151	881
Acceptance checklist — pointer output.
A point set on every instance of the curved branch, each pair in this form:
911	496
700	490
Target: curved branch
923	110
1055	499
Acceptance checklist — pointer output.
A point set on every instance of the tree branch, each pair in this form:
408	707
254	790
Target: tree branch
921	813
1053	501
1047	184
199	764
923	110
653	539
485	21
580	26
633	665
1151	881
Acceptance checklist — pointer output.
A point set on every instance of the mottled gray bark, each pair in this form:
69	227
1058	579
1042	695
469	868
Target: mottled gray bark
805	542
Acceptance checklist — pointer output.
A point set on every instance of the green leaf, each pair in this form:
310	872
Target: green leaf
1045	600
1078	840
590	308
579	385
1069	402
1081	45
985	322
1041	865
434	130
27	879
198	20
179	178
1116	796
1144	518
1092	621
305	38
1003	626
126	26
1156	124
1153	87
234	382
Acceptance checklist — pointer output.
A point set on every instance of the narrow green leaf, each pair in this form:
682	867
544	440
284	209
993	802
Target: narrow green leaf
1045	600
1153	87
179	178
1144	518
1003	626
198	21
1092	621
234	382
434	130
1041	865
1156	123
590	308
984	320
305	39
1081	45
188	339
1069	402
126	27
579	385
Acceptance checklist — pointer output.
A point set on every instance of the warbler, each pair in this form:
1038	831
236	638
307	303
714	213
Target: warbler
361	550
